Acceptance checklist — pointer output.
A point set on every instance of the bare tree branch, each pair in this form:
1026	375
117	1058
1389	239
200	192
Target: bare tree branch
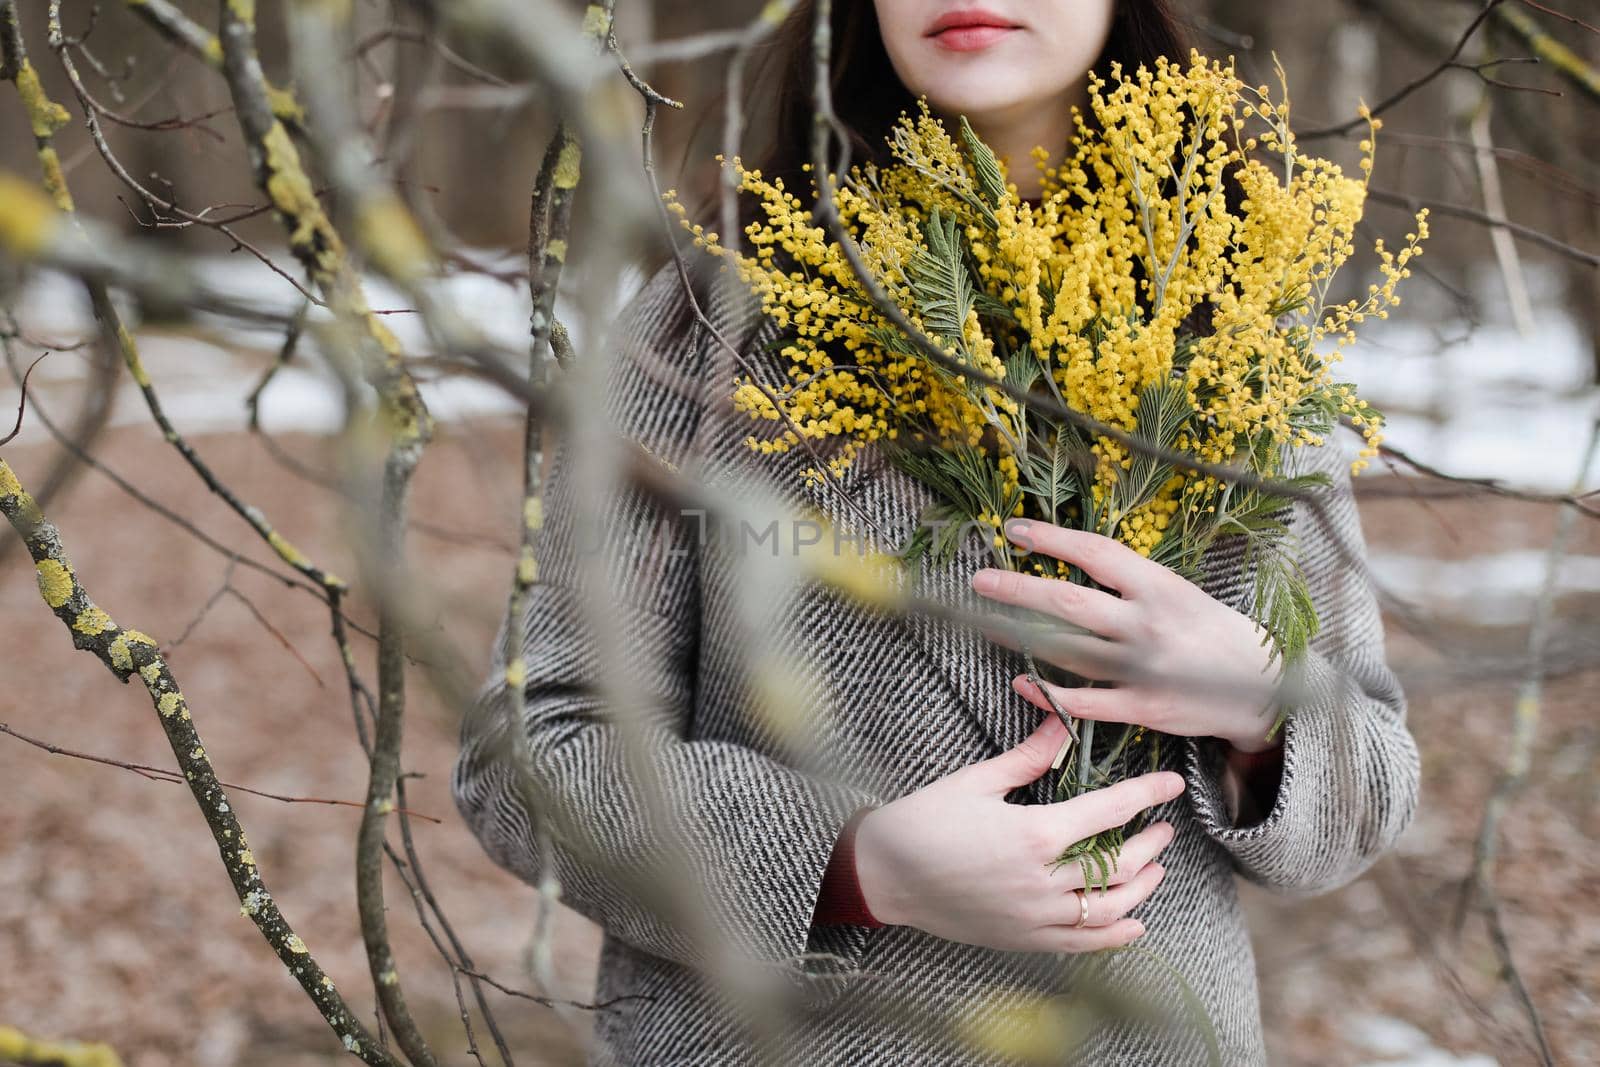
127	653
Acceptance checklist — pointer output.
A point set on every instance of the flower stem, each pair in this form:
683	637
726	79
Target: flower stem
1085	755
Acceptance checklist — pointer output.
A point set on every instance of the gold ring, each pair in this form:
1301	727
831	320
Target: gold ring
1083	909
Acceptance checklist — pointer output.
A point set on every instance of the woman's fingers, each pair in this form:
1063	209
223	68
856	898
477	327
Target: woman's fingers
1101	705
1107	924
1105	559
1085	655
1106	906
1093	609
1136	853
1018	765
1140	849
1105	809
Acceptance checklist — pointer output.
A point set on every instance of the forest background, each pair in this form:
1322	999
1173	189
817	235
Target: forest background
1475	942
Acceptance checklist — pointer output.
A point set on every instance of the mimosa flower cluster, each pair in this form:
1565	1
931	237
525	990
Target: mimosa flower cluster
1088	299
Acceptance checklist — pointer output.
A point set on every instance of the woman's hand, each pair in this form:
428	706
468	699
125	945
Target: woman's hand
1182	662
956	860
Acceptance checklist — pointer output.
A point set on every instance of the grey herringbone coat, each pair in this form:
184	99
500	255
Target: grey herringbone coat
889	704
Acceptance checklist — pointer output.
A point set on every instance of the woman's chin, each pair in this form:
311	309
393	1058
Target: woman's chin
984	98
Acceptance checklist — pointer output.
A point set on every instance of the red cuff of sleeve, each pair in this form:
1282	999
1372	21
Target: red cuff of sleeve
840	902
1259	775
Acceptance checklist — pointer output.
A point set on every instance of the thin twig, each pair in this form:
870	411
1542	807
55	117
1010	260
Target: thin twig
173	777
1410	87
1462	211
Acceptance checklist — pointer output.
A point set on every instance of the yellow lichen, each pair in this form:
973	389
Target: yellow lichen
290	554
533	512
169	704
55	179
295	198
556	250
45	116
9	486
55	582
387	230
527	567
93	621
294	944
252	902
151	673
130	356
27	224
121	658
568	166
1034	1031
596	22
400	390
285	108
17	1047
868	578
516	674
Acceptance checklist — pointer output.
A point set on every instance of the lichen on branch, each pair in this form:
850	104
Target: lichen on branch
128	653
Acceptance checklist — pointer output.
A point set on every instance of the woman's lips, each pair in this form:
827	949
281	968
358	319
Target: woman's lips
970	38
969	29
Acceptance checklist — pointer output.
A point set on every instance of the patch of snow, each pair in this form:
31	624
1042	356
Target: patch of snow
1495	587
1394	1042
1482	400
1474	399
53	307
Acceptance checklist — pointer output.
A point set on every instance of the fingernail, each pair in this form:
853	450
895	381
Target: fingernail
1138	928
1161	872
1177	785
1017	530
985	580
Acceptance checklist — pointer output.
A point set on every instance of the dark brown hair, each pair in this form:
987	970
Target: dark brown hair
868	96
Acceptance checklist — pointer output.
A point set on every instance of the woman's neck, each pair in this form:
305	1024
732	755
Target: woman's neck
1013	133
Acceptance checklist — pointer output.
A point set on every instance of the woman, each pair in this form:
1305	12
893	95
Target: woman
871	854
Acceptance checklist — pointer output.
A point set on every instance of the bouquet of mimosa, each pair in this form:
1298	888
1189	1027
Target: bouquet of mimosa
1088	299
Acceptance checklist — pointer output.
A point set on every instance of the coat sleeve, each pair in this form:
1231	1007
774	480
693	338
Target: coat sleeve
749	836
1351	772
